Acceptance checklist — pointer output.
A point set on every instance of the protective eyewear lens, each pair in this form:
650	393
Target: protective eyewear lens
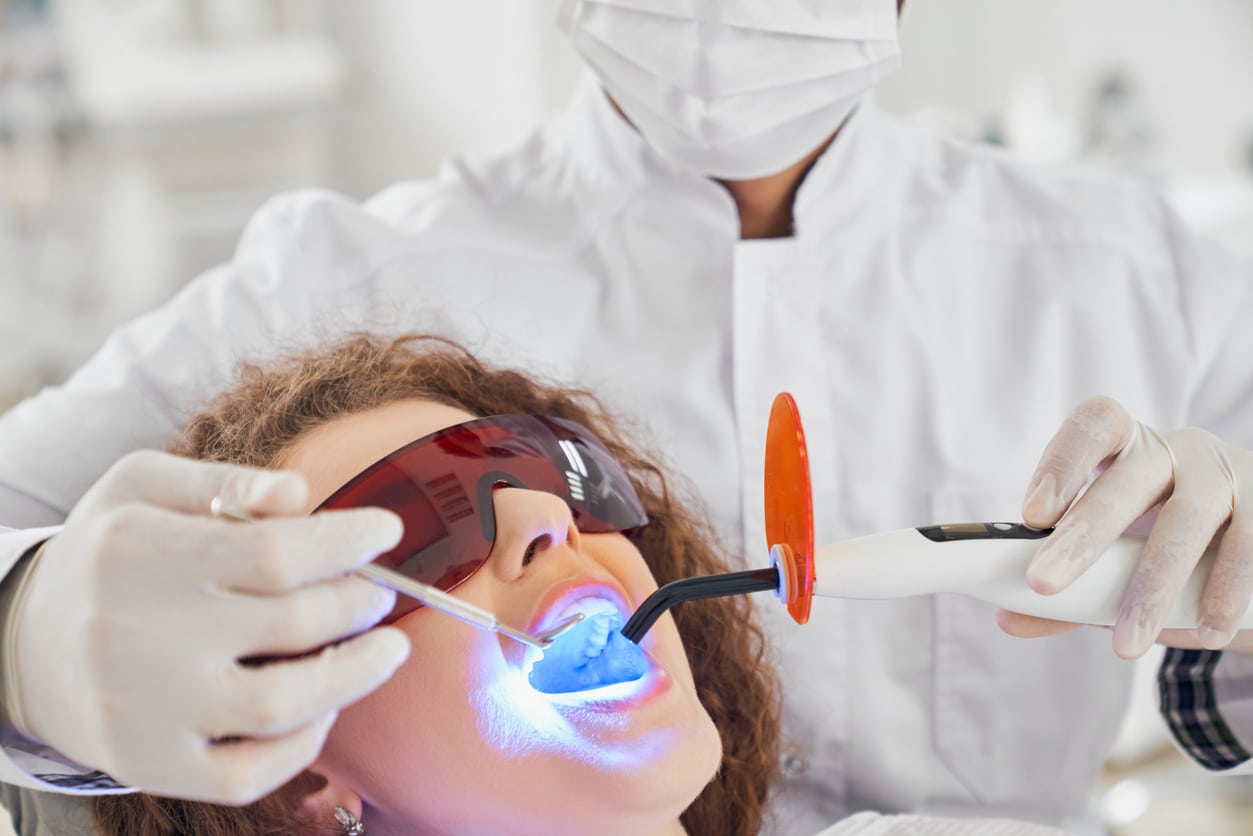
441	486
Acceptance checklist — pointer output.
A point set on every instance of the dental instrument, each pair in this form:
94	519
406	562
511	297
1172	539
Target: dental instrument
984	560
694	589
430	596
789	523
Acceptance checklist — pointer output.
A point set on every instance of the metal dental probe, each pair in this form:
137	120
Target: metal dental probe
433	597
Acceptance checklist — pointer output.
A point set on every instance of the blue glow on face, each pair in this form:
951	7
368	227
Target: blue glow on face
589	656
577	697
518	720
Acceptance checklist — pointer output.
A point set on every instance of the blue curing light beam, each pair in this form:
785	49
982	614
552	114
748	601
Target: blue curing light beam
592	654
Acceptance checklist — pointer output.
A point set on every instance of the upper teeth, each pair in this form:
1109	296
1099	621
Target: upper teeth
601	617
598	636
590	607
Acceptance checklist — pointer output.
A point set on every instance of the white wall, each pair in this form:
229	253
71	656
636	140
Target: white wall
431	78
1193	62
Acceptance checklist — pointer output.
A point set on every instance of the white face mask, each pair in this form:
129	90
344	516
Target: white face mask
735	89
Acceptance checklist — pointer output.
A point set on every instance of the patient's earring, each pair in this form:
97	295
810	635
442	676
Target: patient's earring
349	824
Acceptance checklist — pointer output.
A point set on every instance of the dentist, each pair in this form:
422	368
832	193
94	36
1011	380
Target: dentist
721	213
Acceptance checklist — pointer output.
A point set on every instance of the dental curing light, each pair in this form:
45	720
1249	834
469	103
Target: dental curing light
983	560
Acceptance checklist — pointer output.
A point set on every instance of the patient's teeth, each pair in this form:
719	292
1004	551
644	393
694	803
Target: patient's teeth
596	643
590	607
601	619
591	654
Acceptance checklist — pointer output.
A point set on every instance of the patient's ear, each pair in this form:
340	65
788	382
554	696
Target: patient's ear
318	792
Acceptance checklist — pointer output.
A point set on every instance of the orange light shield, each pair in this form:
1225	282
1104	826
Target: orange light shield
789	500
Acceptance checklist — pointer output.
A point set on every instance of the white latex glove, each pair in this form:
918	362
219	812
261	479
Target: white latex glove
1197	486
130	629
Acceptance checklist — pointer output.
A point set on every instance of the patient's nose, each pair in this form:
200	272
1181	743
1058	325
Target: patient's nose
529	524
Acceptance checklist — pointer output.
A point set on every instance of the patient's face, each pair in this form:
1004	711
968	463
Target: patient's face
457	741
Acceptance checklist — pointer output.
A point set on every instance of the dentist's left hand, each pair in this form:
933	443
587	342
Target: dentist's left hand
1199	487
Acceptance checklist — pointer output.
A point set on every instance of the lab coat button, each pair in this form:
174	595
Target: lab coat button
794	765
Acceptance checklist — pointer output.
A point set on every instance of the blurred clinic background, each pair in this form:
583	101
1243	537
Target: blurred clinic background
137	136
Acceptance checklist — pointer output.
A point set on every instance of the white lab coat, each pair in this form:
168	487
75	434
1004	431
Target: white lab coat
937	312
873	824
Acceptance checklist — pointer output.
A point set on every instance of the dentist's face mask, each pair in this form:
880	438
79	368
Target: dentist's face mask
735	89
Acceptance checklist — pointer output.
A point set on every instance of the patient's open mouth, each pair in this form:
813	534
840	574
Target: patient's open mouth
593	654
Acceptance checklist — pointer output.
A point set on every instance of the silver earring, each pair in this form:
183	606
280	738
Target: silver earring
349	824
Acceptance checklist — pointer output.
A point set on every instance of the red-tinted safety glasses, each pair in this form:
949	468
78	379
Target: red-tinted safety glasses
441	486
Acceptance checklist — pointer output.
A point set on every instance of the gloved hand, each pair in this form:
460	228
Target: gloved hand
1197	485
130	629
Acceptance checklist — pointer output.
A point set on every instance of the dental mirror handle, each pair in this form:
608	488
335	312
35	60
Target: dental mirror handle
431	596
988	561
438	599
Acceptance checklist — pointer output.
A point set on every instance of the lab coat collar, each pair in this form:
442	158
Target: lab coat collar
855	171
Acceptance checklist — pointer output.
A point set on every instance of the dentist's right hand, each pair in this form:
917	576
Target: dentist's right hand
131	628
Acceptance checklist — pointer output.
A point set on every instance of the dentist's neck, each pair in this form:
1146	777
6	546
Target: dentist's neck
765	204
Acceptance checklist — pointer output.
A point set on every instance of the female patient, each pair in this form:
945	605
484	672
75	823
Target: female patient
458	741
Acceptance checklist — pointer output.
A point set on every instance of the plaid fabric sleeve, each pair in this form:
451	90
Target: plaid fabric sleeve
1186	687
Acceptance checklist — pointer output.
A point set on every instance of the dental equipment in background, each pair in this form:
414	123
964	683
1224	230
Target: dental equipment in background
987	561
435	598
